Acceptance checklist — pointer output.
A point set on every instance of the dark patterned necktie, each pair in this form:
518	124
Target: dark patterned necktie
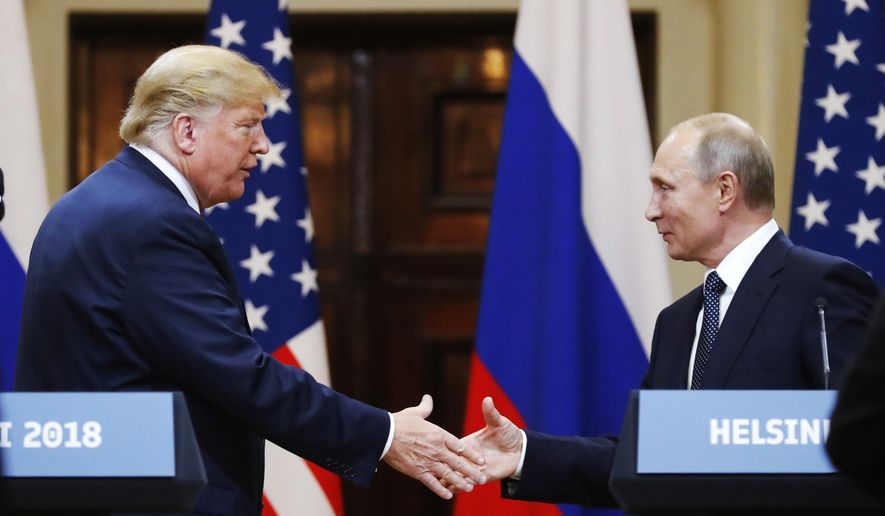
713	287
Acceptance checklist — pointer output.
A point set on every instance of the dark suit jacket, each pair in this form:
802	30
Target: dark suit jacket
129	289
769	339
857	429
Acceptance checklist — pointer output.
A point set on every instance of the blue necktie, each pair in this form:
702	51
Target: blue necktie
713	287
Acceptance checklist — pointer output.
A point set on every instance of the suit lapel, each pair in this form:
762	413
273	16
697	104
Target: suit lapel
224	266
684	322
137	161
744	311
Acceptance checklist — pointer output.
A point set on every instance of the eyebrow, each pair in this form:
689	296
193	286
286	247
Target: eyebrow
251	118
658	178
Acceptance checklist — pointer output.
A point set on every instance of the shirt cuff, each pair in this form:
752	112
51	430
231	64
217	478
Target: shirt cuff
390	439
518	473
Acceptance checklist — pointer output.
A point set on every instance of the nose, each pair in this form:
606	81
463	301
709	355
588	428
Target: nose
261	145
653	210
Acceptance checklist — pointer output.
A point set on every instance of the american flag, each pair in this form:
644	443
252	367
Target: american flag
268	237
839	188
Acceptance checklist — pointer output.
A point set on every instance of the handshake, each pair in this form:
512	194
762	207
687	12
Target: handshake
446	464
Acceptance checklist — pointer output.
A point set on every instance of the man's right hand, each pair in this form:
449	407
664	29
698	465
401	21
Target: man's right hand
431	455
500	442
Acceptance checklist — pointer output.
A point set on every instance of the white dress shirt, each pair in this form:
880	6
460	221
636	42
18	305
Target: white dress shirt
180	182
732	271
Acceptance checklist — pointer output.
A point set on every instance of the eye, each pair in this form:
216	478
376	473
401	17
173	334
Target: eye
660	187
250	124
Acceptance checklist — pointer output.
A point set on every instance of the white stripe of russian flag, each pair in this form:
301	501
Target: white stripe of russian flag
21	154
615	186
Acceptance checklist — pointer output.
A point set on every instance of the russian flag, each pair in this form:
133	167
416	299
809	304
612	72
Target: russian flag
21	158
574	274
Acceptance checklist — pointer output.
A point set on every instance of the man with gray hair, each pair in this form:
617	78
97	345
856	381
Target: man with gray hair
129	289
751	325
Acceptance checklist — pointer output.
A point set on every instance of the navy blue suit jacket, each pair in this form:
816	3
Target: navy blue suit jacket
129	289
769	339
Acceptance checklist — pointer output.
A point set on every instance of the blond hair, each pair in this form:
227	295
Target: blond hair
726	142
194	79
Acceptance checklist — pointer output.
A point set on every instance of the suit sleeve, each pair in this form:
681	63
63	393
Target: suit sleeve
857	432
186	320
565	470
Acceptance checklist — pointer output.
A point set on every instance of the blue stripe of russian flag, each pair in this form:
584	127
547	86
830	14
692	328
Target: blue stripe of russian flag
12	277
554	336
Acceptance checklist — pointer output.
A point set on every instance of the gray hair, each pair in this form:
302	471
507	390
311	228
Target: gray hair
725	142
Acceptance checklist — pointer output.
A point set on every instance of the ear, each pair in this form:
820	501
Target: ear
183	133
727	184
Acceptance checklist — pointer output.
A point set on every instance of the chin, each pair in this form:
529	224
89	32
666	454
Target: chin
236	193
676	254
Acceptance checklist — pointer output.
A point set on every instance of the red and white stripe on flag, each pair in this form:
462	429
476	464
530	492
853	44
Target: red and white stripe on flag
293	485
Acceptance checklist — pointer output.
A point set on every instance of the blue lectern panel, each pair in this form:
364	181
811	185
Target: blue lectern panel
734	431
86	435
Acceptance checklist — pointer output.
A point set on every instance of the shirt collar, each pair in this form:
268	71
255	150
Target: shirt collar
734	267
169	170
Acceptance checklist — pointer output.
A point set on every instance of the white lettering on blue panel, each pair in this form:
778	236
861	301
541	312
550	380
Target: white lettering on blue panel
768	432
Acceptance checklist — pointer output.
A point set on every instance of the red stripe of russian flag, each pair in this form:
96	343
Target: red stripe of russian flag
485	500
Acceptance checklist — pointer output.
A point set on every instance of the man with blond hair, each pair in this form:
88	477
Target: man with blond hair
129	289
752	324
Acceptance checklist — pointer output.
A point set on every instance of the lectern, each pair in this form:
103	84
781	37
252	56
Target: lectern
98	452
732	453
